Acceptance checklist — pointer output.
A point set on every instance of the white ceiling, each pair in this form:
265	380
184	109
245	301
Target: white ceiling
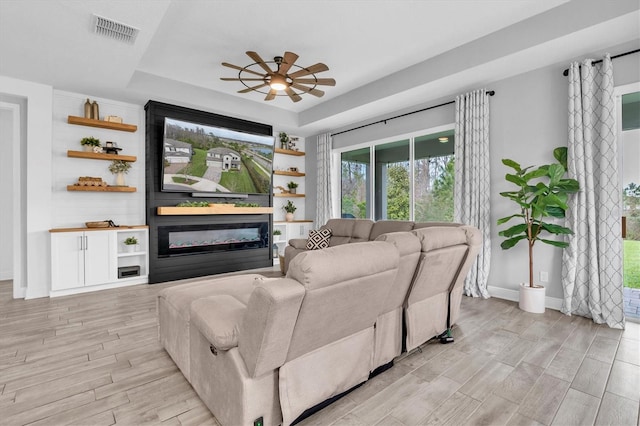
384	54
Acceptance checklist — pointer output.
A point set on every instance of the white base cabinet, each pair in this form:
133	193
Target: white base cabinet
289	231
97	259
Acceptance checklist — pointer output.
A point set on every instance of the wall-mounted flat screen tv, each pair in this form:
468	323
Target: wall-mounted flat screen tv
200	158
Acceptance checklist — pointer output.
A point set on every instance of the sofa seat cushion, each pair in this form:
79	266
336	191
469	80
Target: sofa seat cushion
318	239
219	319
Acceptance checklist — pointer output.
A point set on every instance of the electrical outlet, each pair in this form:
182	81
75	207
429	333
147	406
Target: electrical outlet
544	276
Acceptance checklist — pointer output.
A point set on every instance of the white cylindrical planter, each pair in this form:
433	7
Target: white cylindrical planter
288	217
532	299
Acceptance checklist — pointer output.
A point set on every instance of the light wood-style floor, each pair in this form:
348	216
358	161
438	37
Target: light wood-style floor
94	359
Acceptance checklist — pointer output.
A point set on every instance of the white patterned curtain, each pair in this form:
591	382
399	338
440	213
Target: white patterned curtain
471	205
323	202
592	264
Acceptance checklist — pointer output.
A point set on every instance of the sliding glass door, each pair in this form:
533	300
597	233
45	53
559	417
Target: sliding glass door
412	178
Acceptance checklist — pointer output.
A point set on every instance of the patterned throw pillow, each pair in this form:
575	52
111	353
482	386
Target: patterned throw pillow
318	239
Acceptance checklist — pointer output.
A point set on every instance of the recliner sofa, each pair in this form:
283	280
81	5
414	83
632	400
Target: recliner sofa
273	364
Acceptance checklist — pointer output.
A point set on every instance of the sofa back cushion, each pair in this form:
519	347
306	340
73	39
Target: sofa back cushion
345	290
344	231
386	226
408	246
443	252
266	328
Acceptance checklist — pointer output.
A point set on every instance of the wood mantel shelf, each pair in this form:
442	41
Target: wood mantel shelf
289	152
101	188
286	194
100	156
212	209
287	173
101	123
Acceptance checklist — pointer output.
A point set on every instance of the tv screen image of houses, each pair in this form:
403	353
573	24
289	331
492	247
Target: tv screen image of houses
202	158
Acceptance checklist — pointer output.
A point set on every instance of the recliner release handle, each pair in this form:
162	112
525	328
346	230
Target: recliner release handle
213	350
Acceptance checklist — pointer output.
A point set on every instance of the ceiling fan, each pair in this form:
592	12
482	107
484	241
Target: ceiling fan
301	80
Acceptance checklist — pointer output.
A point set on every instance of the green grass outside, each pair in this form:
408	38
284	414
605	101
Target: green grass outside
198	165
238	181
632	263
180	179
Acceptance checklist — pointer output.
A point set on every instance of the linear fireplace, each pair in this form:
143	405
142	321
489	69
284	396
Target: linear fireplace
179	240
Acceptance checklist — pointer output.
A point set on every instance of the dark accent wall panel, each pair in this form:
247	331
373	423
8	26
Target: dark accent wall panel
163	269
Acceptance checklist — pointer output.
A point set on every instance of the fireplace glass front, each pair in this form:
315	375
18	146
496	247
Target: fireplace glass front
194	239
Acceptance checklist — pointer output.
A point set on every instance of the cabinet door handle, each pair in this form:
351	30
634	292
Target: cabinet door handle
81	243
86	243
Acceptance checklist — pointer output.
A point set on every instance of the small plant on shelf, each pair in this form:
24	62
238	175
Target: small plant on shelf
90	141
292	187
277	232
284	140
289	207
119	166
193	204
131	241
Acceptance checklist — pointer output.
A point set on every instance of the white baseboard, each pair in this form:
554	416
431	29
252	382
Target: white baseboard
514	296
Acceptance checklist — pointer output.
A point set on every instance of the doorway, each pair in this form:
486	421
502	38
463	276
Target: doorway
628	101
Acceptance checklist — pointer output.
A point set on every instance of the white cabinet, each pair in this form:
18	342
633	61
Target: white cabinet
87	260
80	259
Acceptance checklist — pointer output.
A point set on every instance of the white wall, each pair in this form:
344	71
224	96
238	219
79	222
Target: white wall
73	209
34	277
7	116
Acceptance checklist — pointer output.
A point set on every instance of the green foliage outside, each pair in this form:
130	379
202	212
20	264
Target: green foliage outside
398	192
632	263
437	205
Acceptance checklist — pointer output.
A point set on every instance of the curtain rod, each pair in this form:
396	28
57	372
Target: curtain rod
566	72
490	93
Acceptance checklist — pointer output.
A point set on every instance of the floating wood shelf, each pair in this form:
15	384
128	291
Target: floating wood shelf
100	156
101	188
102	124
289	195
212	209
289	152
287	173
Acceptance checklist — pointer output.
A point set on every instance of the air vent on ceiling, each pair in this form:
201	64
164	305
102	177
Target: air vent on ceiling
115	30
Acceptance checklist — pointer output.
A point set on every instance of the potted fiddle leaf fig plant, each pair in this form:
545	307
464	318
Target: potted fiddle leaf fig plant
541	196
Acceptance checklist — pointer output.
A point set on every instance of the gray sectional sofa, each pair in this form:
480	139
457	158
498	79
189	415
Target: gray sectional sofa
269	349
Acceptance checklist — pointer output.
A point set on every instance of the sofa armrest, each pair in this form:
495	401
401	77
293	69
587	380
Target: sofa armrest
299	243
219	318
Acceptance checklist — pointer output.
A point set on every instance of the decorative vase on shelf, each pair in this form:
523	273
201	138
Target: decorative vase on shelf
87	109
288	217
95	111
88	148
120	179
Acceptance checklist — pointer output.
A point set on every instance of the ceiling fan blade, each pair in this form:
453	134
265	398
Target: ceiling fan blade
313	69
288	60
271	95
316	81
293	95
259	61
241	79
314	92
235	67
249	89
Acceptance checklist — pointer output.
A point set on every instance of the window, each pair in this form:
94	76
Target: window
355	183
413	178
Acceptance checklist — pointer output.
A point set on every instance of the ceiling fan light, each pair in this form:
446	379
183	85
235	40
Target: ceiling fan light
277	82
